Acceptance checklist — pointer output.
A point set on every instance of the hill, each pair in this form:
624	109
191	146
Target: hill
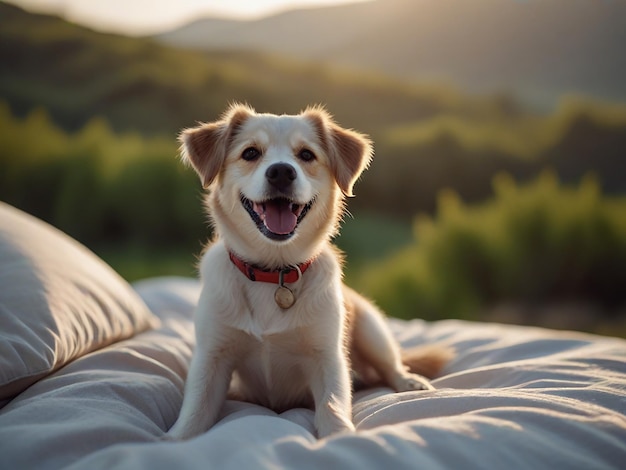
139	84
537	49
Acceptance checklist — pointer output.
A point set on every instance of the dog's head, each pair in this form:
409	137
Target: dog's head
276	181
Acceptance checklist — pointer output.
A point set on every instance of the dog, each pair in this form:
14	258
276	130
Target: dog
274	323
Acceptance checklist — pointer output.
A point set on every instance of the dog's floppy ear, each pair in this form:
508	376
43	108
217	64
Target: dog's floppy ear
350	152
205	147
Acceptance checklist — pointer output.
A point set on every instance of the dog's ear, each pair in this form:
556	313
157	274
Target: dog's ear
353	154
205	147
350	152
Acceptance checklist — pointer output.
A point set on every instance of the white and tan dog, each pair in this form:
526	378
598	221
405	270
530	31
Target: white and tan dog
274	323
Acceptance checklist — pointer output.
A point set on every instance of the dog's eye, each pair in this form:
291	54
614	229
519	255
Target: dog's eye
306	155
250	154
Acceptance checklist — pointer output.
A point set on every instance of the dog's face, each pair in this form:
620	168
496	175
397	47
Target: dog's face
276	181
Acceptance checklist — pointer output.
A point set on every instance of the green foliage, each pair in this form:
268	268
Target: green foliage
367	237
415	161
130	199
531	244
519	135
100	187
135	262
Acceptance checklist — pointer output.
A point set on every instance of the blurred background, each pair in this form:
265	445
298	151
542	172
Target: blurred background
498	188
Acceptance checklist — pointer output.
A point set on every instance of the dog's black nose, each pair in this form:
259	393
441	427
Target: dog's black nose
280	175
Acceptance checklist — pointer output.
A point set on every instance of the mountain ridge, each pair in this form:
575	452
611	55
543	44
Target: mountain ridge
539	50
141	85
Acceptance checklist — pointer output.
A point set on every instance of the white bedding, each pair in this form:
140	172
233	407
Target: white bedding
513	398
92	373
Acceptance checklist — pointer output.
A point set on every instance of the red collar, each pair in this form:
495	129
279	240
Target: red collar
288	274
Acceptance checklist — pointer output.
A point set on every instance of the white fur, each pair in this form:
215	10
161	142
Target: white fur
246	344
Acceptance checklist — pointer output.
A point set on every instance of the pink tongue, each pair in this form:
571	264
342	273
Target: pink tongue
279	218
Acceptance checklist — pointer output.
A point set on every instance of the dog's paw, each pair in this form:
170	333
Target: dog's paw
410	382
328	429
331	420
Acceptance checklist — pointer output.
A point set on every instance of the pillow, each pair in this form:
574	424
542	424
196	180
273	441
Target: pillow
58	301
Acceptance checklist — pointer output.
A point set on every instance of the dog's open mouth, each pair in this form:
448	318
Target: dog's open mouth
276	218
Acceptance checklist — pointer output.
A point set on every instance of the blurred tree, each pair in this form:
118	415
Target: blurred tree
530	245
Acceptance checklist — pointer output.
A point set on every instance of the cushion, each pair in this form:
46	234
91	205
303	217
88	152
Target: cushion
58	301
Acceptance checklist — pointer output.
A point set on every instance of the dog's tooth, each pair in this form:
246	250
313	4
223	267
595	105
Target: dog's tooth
259	208
296	208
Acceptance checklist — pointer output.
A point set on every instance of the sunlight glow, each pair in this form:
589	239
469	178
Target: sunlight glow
142	17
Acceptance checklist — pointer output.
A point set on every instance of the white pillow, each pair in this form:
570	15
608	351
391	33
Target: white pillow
58	301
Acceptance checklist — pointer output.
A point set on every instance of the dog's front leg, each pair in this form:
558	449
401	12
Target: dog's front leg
205	392
330	386
210	372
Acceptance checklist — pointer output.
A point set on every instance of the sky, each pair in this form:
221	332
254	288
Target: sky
139	17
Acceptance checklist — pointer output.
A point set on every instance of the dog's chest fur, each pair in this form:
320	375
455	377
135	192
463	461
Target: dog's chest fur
261	316
272	371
